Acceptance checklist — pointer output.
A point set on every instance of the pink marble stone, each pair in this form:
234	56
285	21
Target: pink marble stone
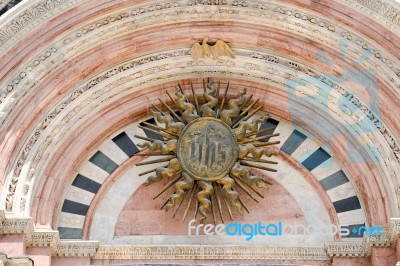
143	217
382	256
70	261
351	261
13	245
41	256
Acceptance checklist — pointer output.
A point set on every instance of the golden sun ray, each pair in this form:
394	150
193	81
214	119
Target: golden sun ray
211	147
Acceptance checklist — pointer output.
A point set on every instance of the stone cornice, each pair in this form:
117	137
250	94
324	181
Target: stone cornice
214	252
77	248
15	225
93	249
347	249
363	248
43	238
383	240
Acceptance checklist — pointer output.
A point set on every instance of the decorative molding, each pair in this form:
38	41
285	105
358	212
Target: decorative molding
29	17
395	225
43	239
347	249
153	58
77	248
210	252
384	240
93	249
394	230
385	9
206	2
289	16
306	18
16	226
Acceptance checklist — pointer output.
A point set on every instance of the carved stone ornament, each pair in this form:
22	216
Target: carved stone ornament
207	149
210	148
207	49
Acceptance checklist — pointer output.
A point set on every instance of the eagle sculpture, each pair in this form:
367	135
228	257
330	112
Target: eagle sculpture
207	49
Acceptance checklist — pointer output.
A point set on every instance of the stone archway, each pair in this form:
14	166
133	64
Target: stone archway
75	74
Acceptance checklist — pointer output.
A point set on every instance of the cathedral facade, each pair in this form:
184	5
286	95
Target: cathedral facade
200	132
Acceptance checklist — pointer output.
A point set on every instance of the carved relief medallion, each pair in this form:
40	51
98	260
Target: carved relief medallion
207	149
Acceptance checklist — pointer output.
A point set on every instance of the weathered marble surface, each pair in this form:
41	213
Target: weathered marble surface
51	49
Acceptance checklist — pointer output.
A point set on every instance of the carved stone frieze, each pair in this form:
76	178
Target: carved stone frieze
32	15
306	17
136	63
395	225
206	2
29	17
209	252
377	240
385	9
77	248
93	249
302	16
43	239
16	226
347	249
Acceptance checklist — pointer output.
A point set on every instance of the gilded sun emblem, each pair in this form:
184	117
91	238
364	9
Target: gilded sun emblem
211	147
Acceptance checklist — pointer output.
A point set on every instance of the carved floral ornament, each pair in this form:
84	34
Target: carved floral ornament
209	149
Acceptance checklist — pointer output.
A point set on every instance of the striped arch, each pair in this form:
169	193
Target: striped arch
295	142
78	76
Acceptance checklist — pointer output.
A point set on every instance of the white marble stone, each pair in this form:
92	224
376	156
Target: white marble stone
108	210
70	220
112	151
325	169
305	149
284	129
79	195
112	203
93	172
304	194
341	192
352	217
134	130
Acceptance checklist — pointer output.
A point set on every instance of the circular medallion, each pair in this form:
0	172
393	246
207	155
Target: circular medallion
207	149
